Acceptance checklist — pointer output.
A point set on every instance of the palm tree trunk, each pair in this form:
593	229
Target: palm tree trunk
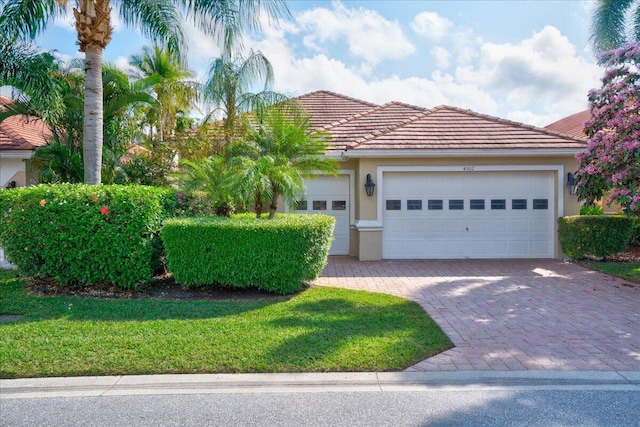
258	204
274	205
93	117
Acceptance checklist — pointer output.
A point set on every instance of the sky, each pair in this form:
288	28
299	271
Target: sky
527	61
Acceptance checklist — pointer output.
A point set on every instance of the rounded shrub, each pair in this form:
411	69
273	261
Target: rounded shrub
80	234
599	235
276	255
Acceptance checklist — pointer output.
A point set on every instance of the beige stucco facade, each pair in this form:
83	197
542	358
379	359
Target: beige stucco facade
366	229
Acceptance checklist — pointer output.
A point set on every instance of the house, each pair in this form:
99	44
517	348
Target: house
20	135
417	183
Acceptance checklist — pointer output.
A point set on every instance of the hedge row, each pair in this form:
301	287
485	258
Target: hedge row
274	255
599	235
81	234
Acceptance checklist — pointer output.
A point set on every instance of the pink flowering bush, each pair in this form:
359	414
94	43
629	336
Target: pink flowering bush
611	163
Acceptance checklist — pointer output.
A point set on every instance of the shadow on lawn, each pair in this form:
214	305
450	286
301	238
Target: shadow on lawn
332	325
15	300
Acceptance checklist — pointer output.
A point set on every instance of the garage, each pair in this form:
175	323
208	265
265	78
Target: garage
481	214
330	196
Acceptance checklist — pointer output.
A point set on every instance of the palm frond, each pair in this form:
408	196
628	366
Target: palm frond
25	19
608	28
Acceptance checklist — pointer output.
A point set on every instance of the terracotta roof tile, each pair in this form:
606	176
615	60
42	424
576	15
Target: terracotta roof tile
22	132
347	132
571	125
328	107
448	127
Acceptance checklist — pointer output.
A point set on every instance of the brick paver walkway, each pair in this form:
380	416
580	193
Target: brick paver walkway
511	314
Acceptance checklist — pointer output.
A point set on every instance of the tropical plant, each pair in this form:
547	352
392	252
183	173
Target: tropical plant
62	160
229	83
32	74
210	177
173	86
611	162
157	20
279	151
611	27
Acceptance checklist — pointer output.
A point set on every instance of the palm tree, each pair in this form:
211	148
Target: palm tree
32	74
174	87
280	150
610	28
159	20
62	160
229	83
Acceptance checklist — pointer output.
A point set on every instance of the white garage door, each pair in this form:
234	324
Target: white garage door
468	215
330	196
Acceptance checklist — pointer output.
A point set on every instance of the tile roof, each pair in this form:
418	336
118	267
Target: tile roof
347	132
446	128
571	125
328	107
359	125
22	132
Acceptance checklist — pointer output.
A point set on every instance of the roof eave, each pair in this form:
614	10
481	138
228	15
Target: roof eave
528	152
15	154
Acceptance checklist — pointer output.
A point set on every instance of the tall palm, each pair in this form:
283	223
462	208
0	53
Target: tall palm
158	20
174	86
62	160
611	27
230	82
281	150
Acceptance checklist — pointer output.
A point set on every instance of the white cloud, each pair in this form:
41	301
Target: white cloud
369	36
442	57
431	25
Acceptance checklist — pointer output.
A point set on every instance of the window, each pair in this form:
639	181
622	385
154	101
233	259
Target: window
476	204
414	205
394	205
519	204
540	204
434	205
301	205
319	205
498	204
456	205
339	205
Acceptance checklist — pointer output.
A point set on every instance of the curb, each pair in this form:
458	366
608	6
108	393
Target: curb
316	383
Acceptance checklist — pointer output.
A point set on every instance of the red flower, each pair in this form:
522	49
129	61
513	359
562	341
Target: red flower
104	210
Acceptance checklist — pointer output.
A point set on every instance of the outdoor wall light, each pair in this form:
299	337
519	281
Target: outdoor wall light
369	185
572	184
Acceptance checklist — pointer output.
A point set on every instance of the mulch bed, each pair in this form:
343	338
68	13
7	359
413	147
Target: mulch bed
631	254
164	288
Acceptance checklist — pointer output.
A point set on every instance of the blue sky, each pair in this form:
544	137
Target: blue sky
528	61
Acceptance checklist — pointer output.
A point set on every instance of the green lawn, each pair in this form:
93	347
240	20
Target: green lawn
321	329
625	270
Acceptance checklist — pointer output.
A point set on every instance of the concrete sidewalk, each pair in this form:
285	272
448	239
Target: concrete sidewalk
315	383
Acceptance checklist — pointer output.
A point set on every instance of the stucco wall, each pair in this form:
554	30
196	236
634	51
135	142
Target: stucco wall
369	244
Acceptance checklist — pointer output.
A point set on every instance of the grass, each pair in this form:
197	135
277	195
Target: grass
626	270
318	330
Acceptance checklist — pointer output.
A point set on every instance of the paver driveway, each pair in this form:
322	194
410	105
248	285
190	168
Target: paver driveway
511	314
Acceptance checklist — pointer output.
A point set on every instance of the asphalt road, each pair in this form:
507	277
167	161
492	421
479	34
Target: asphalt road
405	400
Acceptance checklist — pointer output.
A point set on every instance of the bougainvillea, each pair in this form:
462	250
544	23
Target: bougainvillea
610	166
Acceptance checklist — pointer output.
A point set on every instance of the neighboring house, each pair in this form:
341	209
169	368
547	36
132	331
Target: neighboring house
449	183
19	136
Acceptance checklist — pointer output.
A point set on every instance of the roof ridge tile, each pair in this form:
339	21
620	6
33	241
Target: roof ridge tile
388	129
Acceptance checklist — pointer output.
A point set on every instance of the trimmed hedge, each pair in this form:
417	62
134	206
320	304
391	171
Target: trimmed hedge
80	234
599	235
635	234
275	255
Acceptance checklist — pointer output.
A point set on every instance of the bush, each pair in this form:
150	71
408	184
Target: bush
590	210
635	234
274	255
599	235
79	234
